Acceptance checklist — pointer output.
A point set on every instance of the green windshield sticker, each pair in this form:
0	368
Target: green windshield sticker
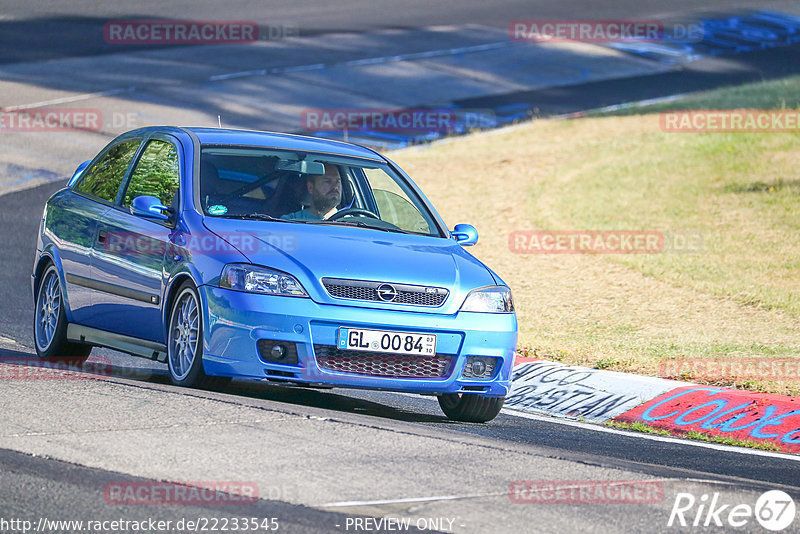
217	210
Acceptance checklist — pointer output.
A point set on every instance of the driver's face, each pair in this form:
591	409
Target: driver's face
326	189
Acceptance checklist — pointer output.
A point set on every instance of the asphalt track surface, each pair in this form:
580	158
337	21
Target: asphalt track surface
701	75
43	483
49	487
34	31
65	490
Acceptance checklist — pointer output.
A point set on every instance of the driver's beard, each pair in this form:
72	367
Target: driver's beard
323	204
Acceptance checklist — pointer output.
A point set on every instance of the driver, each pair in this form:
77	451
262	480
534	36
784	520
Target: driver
325	192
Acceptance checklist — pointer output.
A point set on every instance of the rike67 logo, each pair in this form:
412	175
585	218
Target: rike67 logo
774	511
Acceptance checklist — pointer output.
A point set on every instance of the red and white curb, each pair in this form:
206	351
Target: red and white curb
594	395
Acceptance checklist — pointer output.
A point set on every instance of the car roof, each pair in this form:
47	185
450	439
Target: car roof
225	136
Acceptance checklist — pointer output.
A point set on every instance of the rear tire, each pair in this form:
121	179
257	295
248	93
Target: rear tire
470	408
185	342
50	323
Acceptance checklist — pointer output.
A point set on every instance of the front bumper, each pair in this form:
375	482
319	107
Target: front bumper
236	321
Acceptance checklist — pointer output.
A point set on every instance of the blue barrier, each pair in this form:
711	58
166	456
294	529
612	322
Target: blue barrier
714	37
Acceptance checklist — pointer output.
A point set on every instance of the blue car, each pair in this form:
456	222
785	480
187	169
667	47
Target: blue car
238	254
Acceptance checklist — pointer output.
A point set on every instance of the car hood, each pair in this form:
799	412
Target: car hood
311	252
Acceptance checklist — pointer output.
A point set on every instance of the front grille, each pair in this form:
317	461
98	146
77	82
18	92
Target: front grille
366	290
382	364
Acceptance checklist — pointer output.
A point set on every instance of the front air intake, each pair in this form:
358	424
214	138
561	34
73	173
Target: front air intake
383	364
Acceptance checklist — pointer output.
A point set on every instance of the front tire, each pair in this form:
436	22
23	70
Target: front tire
469	407
185	342
50	323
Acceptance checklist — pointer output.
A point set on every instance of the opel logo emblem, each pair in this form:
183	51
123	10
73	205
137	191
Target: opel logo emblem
386	292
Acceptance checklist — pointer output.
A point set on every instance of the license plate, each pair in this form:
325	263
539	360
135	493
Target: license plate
383	341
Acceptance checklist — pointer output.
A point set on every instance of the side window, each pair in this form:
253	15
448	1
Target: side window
103	179
156	174
393	203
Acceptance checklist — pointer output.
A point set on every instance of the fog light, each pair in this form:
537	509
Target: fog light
278	352
479	367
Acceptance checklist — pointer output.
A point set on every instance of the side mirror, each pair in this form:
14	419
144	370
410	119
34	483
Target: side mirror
77	173
149	208
464	234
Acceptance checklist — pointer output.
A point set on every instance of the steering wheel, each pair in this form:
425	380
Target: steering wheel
352	211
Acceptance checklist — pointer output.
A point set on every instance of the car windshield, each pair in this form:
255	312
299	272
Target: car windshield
308	187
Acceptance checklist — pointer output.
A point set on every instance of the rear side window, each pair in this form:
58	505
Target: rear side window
157	174
104	178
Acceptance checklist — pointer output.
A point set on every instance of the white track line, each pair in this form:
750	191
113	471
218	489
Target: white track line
366	61
349	504
624	106
408	500
68	99
664	439
599	427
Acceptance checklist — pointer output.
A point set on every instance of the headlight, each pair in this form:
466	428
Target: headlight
494	299
253	279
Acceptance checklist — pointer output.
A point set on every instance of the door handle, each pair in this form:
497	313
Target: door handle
101	236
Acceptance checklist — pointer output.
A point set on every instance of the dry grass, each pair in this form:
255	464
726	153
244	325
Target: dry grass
738	298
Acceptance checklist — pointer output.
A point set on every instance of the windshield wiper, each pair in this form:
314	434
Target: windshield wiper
263	217
362	224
